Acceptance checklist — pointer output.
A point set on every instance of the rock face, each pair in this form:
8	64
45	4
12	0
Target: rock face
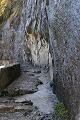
24	37
64	22
38	30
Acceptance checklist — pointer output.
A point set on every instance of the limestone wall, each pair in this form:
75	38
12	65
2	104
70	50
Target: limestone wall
64	29
24	35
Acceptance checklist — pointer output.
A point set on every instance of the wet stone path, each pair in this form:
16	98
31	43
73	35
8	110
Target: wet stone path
30	97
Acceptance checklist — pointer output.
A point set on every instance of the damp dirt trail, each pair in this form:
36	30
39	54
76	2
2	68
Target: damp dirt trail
30	97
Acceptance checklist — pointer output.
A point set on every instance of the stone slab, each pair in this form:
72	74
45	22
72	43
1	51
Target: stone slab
8	74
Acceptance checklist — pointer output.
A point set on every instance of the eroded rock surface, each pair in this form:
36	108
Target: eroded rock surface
24	35
64	27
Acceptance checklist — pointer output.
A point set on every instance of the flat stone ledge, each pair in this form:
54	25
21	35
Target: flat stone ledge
8	74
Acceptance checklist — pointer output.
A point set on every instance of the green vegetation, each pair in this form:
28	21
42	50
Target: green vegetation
9	9
5	10
3	4
61	111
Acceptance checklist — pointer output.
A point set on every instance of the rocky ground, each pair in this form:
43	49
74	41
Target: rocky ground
29	97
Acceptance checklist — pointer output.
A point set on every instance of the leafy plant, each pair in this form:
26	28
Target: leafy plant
61	111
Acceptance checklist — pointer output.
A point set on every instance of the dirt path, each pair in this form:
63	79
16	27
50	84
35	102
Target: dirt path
30	97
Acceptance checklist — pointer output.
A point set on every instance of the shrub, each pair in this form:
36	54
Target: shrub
61	111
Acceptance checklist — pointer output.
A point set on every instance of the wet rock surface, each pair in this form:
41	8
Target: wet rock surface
38	105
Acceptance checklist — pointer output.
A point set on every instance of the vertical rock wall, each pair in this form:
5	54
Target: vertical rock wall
64	28
24	37
37	33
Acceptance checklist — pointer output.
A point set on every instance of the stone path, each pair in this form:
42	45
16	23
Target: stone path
30	97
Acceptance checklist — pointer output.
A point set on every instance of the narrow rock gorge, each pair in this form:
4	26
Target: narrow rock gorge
44	33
